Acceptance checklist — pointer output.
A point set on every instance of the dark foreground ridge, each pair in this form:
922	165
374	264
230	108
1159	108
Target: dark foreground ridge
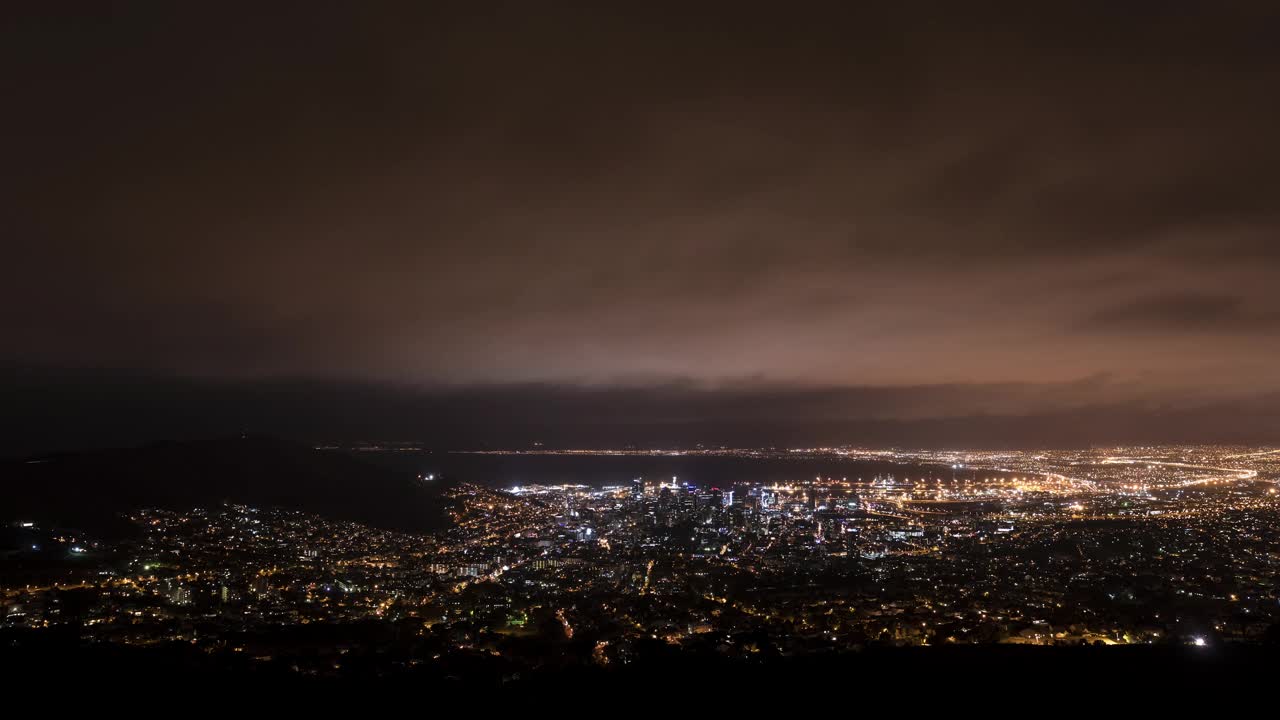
378	657
88	490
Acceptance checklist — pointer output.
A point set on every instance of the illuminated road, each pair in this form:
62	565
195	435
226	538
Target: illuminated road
1263	453
1235	473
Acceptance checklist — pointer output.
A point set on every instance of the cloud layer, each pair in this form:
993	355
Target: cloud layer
565	195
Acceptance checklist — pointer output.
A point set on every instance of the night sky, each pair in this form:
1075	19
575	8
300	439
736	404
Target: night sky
492	223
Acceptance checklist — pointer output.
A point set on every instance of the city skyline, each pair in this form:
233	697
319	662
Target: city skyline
733	561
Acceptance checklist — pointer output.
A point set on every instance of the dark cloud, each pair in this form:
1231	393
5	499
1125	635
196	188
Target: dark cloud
49	410
829	195
1187	312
